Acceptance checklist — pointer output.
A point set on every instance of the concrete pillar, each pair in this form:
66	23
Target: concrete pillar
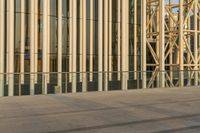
10	44
143	48
36	41
181	43
100	44
48	41
125	43
22	47
2	45
74	42
44	48
119	39
84	70
60	45
110	40
70	39
162	43
81	40
32	47
91	38
106	44
7	38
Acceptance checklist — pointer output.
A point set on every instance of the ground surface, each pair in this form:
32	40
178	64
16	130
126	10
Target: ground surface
156	110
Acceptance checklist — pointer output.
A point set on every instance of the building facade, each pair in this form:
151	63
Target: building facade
71	44
60	46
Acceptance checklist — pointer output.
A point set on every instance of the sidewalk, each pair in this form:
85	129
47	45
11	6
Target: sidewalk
145	111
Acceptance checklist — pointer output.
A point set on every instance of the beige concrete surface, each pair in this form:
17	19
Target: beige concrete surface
142	111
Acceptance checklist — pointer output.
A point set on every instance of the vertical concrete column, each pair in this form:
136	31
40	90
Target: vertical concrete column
10	48
162	43
22	42
60	45
106	44
84	76
143	32
119	39
110	41
32	48
125	43
2	45
74	42
91	37
196	42
100	44
70	39
181	43
7	38
81	39
48	40
44	48
36	41
135	39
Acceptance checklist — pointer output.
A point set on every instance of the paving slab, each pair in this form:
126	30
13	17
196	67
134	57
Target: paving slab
168	110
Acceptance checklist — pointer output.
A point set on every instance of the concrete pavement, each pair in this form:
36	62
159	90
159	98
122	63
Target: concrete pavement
135	111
